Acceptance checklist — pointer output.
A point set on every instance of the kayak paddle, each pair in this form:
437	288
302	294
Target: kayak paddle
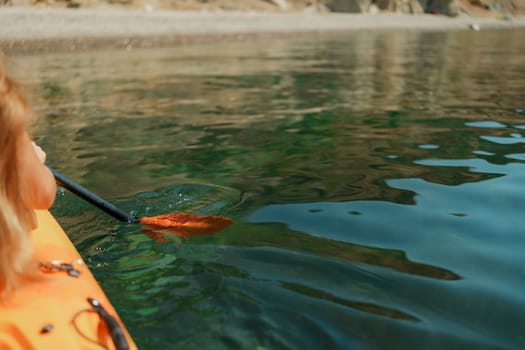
186	222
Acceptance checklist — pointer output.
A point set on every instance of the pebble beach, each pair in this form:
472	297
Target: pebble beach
30	30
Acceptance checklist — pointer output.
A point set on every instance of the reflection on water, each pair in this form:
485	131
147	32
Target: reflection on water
374	180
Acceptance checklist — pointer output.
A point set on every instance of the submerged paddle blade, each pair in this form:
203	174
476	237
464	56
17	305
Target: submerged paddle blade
187	224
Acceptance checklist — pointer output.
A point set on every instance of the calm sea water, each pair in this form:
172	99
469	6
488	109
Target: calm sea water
376	181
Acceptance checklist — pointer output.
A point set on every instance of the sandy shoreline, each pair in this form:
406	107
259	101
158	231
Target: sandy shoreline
28	30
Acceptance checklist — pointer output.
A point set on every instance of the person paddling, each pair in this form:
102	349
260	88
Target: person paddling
48	297
26	184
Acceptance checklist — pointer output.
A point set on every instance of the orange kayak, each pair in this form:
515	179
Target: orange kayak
66	308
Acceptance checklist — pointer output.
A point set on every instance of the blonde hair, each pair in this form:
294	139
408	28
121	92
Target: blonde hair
16	221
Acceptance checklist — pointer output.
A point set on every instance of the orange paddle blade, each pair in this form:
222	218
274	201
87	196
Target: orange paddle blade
158	236
189	224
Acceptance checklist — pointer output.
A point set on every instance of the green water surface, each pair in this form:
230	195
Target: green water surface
376	181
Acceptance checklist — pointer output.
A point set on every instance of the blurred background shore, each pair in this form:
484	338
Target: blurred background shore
33	26
490	8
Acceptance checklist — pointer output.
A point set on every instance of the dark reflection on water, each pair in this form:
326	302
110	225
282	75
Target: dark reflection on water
375	180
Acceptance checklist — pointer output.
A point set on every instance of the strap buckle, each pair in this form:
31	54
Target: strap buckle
56	265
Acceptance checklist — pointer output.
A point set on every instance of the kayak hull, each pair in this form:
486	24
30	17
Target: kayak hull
53	311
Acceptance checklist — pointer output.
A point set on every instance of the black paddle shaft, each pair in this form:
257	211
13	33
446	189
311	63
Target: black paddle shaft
92	198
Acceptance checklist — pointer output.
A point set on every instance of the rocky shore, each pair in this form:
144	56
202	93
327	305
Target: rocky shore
477	8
